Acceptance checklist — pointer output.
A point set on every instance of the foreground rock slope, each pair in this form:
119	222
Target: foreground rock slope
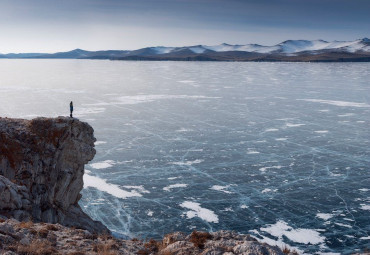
41	169
42	239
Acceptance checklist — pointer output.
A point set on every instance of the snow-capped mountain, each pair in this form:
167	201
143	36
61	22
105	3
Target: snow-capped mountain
286	47
291	50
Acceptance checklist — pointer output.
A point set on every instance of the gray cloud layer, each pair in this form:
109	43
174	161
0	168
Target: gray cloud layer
52	25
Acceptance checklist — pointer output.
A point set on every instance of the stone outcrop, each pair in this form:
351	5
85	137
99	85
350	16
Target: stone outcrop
41	170
42	238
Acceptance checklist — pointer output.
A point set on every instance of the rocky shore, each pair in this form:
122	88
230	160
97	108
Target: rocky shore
41	169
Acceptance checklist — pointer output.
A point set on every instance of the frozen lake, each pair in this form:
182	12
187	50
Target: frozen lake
277	150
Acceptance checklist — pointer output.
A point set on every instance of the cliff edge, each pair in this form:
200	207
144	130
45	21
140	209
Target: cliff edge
41	170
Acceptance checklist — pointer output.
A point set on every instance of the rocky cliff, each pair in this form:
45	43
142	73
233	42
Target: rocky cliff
41	169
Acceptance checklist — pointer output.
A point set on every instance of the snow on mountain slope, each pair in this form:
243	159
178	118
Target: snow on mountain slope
248	48
163	50
294	46
287	47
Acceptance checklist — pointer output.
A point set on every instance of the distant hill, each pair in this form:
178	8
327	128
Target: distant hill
291	50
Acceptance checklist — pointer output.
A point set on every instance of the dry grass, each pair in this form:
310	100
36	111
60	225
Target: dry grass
52	227
151	247
77	253
107	247
27	224
287	250
36	247
200	238
43	232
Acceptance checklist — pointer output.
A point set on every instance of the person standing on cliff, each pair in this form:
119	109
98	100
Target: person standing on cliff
71	108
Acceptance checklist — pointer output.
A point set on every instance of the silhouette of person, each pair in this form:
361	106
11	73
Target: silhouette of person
71	108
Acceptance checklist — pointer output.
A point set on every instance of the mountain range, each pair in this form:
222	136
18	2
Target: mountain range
290	50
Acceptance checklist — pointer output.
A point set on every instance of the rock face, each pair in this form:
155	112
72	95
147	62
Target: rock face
41	170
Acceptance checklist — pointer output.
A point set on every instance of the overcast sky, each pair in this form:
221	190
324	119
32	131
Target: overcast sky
61	25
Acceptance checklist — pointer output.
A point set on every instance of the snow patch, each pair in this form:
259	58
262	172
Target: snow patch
197	211
173	186
187	163
103	164
324	216
221	188
112	189
301	235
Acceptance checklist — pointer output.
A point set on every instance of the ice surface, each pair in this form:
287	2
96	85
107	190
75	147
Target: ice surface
161	131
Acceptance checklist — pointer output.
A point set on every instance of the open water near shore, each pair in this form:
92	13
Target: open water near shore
277	150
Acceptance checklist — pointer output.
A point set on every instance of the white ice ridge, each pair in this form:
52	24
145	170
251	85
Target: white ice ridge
173	186
338	103
112	189
221	188
103	164
197	211
301	235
